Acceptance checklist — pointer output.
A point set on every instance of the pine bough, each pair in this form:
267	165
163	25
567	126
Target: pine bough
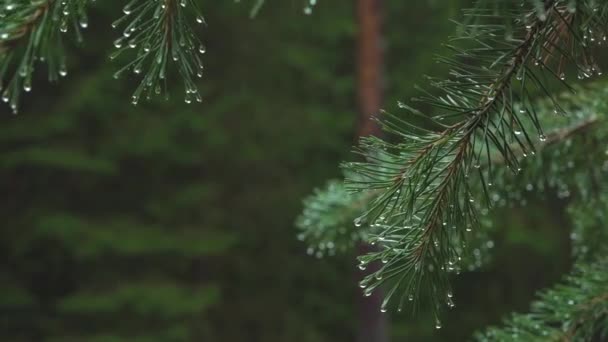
423	194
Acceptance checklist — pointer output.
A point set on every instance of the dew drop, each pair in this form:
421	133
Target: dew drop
63	72
437	324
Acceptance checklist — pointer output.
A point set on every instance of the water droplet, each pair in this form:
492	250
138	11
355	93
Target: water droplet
63	27
63	71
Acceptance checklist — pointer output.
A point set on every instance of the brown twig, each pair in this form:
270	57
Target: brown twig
25	28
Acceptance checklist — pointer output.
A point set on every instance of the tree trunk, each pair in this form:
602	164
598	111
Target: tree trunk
372	324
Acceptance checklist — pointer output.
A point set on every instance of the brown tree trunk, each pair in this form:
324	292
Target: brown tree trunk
372	324
370	60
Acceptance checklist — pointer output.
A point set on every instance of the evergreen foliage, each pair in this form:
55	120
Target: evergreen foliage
78	267
132	223
158	33
424	193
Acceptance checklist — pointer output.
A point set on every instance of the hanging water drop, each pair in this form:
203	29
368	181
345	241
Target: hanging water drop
437	323
63	27
63	71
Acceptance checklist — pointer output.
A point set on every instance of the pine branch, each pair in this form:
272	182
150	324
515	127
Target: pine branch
32	31
326	219
160	33
423	182
13	34
576	310
588	215
326	222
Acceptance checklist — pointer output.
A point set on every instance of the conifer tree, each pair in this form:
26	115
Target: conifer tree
507	120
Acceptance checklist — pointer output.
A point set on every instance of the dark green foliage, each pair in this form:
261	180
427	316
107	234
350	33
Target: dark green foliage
422	182
160	33
171	223
574	310
94	252
32	31
485	142
149	223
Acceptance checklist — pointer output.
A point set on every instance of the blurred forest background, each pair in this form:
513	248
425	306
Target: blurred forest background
174	222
